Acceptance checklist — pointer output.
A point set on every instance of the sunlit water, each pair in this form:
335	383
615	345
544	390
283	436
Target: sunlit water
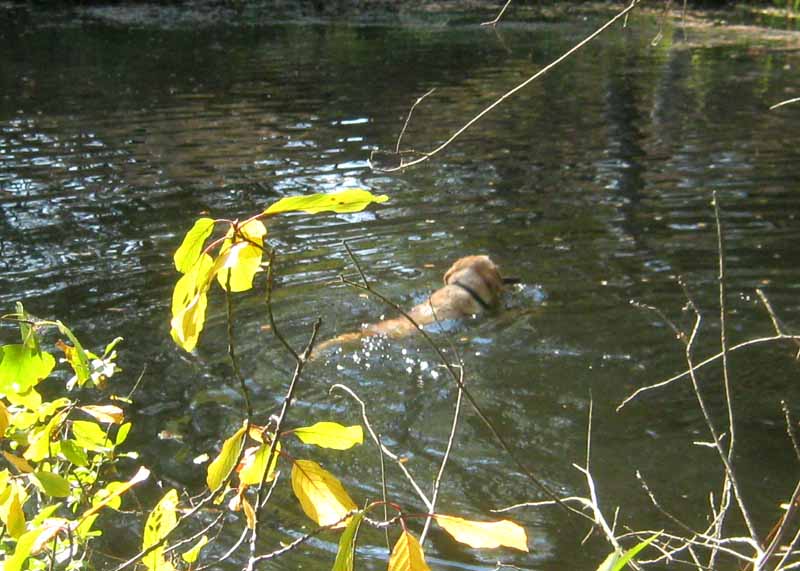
593	187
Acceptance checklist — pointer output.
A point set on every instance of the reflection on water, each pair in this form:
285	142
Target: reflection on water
593	187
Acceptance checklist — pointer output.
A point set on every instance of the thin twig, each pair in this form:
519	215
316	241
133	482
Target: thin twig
790	429
502	98
701	364
440	473
786	522
660	508
786	102
237	372
408	117
493	23
725	496
712	428
391	455
776	322
384	495
300	361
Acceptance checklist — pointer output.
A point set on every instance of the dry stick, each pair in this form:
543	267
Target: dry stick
788	553
451	438
713	430
677	521
725	497
599	518
384	495
440	473
299	541
451	370
493	23
791	511
776	322
237	372
163	540
701	364
408	117
787	102
705	543
300	361
502	98
391	455
790	429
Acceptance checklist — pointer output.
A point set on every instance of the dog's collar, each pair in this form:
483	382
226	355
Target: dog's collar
473	294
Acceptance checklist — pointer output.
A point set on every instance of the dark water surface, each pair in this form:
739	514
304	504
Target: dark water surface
593	186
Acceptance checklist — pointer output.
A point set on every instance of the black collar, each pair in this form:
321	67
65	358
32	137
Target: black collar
473	294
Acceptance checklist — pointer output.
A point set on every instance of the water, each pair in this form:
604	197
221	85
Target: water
593	187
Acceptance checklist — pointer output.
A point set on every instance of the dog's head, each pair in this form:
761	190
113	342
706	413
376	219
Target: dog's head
479	273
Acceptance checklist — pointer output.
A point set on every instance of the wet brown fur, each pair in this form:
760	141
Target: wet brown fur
468	277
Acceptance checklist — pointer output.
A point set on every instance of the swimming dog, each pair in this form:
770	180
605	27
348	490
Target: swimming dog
472	285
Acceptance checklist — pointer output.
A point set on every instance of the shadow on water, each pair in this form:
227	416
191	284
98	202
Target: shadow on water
593	187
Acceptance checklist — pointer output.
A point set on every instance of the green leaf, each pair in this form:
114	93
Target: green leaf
27	332
331	435
161	521
74	453
616	561
223	464
23	550
21	368
352	200
90	436
254	466
191	555
53	485
192	246
345	557
77	357
122	433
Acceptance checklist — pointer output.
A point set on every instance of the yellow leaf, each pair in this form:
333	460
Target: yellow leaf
140	476
331	435
189	303
254	464
5	419
249	513
188	324
104	413
192	246
11	513
351	200
243	264
407	555
161	521
30	399
19	463
321	495
487	534
191	555
222	465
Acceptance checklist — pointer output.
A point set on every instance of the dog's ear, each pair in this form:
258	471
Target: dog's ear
457	266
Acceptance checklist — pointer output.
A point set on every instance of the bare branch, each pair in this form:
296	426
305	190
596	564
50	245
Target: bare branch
494	22
786	102
502	98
